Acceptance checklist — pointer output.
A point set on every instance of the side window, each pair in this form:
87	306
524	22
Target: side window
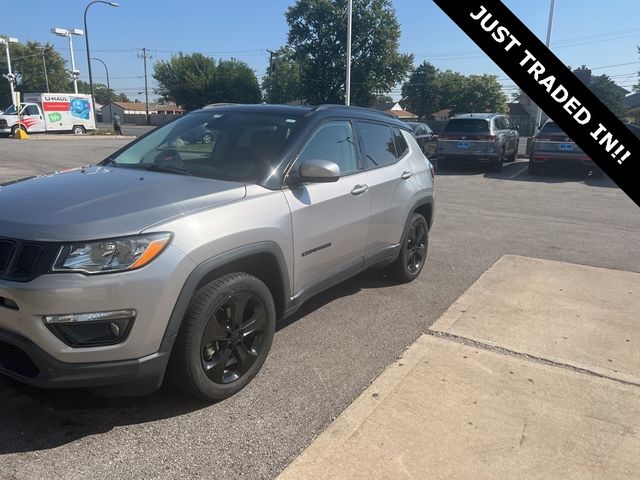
507	125
500	123
401	143
333	141
31	110
378	143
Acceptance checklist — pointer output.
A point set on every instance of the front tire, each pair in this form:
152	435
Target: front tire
413	250
225	337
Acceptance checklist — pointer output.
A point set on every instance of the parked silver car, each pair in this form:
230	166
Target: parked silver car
486	138
177	256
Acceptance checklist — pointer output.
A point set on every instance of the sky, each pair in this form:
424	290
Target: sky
602	35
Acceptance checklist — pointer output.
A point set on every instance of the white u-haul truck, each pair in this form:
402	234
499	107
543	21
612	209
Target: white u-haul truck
49	112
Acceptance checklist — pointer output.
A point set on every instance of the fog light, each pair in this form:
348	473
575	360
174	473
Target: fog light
91	329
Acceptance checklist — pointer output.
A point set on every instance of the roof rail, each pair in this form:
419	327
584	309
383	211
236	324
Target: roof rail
327	106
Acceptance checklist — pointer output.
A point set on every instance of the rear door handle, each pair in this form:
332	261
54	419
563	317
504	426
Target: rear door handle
406	175
359	189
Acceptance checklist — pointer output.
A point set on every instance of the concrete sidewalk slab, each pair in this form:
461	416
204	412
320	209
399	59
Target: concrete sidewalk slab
584	316
451	411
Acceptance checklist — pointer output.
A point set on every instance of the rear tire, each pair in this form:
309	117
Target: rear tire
496	165
78	130
224	338
413	250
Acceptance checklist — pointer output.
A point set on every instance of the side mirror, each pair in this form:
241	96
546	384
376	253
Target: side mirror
319	171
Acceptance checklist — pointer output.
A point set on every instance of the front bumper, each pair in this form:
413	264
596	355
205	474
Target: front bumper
23	360
152	291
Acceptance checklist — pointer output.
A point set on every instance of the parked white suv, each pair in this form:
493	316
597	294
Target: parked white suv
177	255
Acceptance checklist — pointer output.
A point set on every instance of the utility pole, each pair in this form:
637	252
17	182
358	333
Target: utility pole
44	66
548	42
144	55
271	54
348	83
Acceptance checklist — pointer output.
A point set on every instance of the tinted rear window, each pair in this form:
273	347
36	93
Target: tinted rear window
551	128
378	143
467	125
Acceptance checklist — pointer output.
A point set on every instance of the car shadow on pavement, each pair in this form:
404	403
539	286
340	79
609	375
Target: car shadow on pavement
34	419
518	171
372	278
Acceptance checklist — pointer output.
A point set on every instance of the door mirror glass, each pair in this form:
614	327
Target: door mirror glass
319	171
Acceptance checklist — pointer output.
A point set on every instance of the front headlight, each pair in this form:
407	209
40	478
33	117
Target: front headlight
112	255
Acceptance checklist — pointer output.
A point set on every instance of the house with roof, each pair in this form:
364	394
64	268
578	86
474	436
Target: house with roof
394	108
136	112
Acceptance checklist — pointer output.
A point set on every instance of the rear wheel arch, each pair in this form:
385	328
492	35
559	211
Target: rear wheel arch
425	208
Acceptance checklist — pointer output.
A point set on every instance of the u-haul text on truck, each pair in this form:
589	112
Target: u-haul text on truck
49	112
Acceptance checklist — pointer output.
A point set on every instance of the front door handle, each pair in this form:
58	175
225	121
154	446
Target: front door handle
359	189
406	175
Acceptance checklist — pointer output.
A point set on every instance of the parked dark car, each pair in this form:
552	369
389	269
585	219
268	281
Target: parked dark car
553	147
425	137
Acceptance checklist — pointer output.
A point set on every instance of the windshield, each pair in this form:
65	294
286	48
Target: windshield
235	146
467	125
11	110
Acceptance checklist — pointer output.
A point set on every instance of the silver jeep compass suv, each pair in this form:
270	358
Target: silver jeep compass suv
175	256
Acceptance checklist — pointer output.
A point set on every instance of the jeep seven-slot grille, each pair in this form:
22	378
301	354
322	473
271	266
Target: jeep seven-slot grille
23	261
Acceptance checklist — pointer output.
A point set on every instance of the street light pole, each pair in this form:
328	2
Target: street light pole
86	39
552	10
9	76
348	81
62	32
44	67
108	87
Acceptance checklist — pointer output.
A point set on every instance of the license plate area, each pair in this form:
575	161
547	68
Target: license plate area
463	145
566	147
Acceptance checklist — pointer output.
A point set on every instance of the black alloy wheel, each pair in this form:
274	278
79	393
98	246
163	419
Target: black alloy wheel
224	338
233	337
416	247
413	251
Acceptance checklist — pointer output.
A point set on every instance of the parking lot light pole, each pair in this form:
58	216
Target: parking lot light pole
552	10
348	80
63	32
86	39
108	87
9	75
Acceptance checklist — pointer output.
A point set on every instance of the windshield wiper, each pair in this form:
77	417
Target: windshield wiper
154	167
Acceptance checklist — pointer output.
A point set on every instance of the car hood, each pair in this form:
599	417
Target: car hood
100	202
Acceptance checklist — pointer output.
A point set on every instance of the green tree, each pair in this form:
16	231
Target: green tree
383	99
281	84
195	80
609	93
429	90
28	66
420	94
318	34
101	93
451	87
483	93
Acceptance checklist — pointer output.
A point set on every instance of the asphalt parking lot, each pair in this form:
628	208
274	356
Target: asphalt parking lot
325	355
